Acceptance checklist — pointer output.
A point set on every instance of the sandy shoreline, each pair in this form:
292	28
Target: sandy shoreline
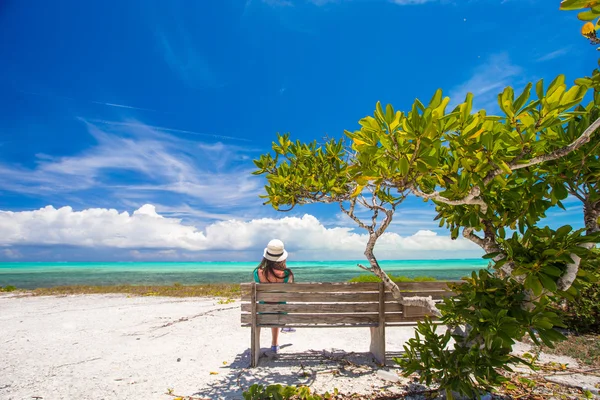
114	346
120	347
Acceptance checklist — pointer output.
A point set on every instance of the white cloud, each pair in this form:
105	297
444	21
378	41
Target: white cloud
323	2
165	129
185	60
189	212
487	81
97	227
216	173
554	54
411	2
278	3
306	237
12	254
102	103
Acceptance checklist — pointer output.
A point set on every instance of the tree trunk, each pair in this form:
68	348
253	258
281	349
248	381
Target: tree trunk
426	302
590	218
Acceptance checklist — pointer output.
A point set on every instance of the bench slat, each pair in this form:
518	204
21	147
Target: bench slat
404	323
435	295
410	311
354	287
266	319
415	312
321	308
325	308
344	286
369	325
328	319
319	297
408	322
312	297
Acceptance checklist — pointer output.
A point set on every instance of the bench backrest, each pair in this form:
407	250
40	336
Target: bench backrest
333	304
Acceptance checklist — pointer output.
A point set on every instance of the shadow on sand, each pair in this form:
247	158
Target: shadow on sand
291	369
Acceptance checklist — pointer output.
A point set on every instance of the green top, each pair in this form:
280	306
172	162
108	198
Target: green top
285	279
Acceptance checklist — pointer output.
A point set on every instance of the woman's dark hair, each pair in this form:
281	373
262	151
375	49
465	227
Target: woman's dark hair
269	268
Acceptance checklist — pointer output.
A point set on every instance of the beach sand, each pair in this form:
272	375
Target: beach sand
120	347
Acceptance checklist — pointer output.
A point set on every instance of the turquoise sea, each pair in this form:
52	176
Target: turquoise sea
30	275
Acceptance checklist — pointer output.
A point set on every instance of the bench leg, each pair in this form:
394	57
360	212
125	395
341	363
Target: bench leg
254	346
378	343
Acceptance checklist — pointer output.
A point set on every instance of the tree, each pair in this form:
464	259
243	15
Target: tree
488	175
592	12
478	169
581	172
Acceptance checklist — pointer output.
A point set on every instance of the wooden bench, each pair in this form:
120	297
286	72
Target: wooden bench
332	305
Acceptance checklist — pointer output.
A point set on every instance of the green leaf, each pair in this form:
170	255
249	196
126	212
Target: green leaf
501	232
552	271
477	134
583	82
454	233
505	101
548	282
563	231
573	95
490	255
539	89
403	166
535	285
358	190
389	114
587	15
560	191
556	84
467	106
522	99
379	111
570	5
436	100
504	167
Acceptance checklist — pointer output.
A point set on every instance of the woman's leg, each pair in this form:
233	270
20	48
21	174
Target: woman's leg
275	335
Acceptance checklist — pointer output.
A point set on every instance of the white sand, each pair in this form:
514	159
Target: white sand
119	347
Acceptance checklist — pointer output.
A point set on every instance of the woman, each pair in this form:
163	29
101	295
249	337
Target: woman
272	269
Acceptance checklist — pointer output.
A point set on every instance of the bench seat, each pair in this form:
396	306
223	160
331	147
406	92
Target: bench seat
333	305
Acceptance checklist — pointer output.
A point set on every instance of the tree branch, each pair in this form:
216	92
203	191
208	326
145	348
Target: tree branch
385	223
574	191
365	268
426	302
489	245
375	211
471	199
468	233
567	279
350	213
556	154
590	216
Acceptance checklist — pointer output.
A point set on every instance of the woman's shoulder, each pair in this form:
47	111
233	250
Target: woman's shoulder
260	276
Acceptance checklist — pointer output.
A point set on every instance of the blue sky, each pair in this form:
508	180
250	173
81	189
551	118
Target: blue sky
116	106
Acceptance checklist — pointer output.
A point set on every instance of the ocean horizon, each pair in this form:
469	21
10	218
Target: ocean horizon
31	275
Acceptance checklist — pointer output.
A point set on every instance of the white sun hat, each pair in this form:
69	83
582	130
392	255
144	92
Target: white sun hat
275	251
